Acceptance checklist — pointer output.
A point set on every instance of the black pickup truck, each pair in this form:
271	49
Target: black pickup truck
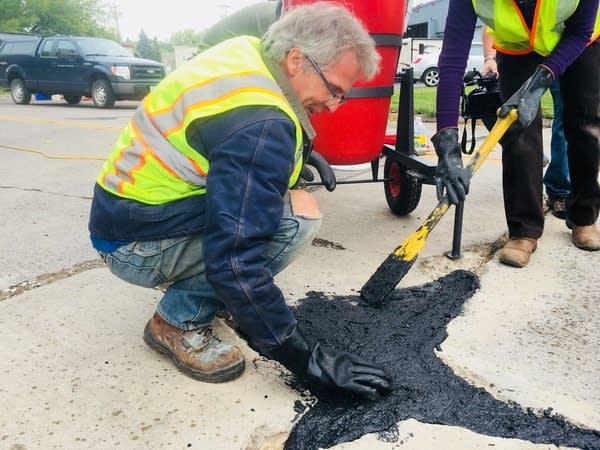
74	67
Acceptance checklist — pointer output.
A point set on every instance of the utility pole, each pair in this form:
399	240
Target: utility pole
115	10
224	6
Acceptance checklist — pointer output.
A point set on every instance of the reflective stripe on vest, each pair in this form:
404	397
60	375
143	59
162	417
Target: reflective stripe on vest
152	161
510	32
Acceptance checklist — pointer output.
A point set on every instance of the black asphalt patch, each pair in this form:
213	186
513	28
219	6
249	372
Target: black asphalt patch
402	335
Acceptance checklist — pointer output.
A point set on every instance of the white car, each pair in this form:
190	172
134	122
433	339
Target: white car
425	66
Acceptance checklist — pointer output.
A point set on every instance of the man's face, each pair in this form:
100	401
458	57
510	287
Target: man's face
325	91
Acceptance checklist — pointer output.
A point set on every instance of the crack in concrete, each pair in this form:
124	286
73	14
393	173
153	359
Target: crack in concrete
59	194
47	278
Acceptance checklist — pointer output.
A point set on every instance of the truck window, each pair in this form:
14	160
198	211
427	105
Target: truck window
19	48
48	48
6	49
66	49
100	47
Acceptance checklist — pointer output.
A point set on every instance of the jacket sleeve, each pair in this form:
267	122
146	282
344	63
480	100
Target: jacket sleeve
248	177
458	34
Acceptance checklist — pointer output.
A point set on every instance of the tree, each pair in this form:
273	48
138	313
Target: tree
186	37
77	17
148	48
12	19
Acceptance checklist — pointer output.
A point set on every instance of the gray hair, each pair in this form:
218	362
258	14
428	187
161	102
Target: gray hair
322	31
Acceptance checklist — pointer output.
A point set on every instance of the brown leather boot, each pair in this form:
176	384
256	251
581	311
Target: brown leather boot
586	237
198	353
517	251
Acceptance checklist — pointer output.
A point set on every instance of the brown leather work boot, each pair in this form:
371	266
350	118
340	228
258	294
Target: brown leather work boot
198	353
517	251
586	237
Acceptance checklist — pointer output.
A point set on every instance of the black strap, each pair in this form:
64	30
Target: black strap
463	141
368	92
472	136
387	40
465	116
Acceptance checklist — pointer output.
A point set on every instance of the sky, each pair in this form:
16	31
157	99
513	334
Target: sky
162	19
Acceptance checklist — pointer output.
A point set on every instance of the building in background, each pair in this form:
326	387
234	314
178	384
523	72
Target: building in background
425	30
427	21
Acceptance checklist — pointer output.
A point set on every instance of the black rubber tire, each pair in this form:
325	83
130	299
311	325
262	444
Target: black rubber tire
431	77
102	94
72	99
19	92
402	191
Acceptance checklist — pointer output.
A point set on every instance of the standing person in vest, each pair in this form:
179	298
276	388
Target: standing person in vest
536	42
196	193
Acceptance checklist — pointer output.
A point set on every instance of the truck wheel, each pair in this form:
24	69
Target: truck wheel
402	191
72	99
19	92
102	94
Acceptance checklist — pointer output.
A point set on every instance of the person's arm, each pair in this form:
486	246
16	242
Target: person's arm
578	29
489	53
458	35
251	155
450	176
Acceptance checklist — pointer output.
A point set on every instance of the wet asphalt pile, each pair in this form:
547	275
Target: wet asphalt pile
402	335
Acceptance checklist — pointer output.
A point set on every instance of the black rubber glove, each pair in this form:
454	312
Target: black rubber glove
527	99
323	168
331	368
449	173
306	174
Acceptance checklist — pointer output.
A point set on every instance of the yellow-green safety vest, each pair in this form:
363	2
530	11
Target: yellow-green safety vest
152	161
511	34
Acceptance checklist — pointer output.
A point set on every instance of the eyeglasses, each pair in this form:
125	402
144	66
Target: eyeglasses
335	98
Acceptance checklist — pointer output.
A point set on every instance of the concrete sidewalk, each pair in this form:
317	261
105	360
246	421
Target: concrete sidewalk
76	373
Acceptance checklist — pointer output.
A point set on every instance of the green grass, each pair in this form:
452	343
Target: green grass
425	102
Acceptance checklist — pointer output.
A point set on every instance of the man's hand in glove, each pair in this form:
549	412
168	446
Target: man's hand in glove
331	368
527	99
449	173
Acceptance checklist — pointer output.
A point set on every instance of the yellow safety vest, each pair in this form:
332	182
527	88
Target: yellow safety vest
511	34
152	161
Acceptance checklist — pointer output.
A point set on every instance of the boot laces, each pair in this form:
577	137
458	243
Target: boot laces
206	335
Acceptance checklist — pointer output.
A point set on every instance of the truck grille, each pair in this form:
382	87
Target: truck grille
139	72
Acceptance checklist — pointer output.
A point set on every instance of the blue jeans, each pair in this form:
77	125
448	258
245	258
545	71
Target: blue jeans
189	301
556	178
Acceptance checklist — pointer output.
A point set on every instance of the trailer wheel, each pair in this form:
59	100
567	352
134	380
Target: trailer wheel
102	94
19	92
402	191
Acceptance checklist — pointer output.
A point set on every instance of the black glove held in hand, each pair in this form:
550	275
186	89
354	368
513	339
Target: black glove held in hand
330	368
325	171
449	172
527	99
